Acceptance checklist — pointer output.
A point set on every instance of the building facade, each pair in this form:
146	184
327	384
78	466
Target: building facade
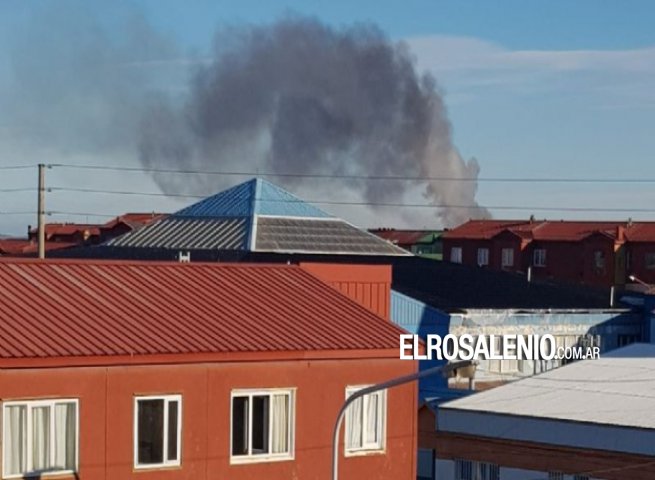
588	420
194	371
600	254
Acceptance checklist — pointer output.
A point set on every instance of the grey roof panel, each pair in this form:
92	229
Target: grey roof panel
278	234
188	233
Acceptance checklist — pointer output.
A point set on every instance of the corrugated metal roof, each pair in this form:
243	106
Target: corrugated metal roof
281	220
275	234
134	220
21	246
237	201
179	233
58	308
617	389
273	200
254	197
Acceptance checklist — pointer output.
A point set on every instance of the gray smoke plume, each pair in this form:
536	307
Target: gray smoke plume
300	97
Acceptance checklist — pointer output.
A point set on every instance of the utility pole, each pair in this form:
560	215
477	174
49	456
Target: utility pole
394	382
41	211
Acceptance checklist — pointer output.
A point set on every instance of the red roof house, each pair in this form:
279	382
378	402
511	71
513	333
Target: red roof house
194	371
594	253
60	236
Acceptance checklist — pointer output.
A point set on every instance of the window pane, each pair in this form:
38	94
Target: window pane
240	426
15	454
40	438
260	424
150	431
354	425
372	434
65	420
280	424
173	407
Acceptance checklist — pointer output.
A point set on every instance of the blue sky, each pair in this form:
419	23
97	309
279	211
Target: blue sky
533	89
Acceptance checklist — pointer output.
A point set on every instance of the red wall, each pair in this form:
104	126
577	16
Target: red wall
106	397
368	285
637	253
567	261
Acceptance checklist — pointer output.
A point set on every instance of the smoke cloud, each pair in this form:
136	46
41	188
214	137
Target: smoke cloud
300	97
296	96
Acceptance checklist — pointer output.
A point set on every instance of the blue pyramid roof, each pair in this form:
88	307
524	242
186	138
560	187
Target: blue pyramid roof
254	197
255	216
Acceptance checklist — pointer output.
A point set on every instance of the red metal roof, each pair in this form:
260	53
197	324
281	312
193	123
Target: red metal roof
86	309
21	246
53	229
134	220
641	232
545	230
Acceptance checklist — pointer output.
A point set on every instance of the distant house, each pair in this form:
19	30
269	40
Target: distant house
588	420
194	371
594	253
60	236
128	222
425	243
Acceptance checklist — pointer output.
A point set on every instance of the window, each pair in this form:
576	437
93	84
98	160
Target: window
262	425
483	256
456	255
157	431
539	257
555	476
40	436
650	260
599	260
365	422
507	255
469	470
580	477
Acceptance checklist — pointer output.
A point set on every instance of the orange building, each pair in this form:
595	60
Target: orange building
117	370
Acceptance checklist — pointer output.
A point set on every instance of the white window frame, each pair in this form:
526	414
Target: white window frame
166	463
368	448
264	457
456	255
539	257
483	256
507	257
30	405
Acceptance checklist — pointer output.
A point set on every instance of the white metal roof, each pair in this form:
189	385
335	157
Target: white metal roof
617	389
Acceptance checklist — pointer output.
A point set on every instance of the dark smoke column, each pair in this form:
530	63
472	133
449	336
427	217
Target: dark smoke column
301	97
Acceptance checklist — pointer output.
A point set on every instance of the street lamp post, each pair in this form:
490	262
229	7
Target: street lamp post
638	280
394	382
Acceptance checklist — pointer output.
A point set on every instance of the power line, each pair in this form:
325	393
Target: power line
17	190
372	204
81	214
16	167
355	177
